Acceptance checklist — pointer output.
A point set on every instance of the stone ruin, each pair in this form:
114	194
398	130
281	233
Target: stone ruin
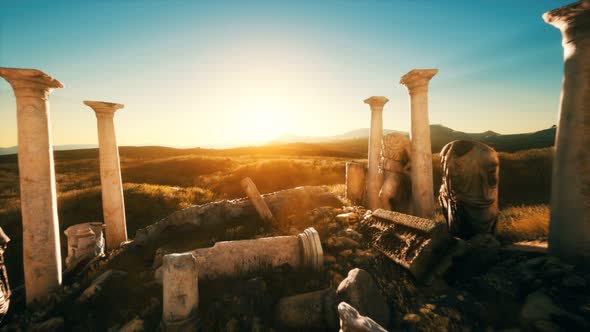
335	239
469	191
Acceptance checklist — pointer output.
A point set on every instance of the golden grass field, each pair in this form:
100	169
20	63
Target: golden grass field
158	181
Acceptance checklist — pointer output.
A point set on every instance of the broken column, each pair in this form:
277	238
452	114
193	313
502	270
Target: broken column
180	292
373	177
256	199
416	81
414	243
85	241
355	182
569	228
113	205
233	258
41	248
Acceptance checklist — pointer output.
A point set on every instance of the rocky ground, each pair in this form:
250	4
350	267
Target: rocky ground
488	288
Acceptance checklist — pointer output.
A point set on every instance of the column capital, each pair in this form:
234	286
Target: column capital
416	80
30	82
376	102
573	20
102	108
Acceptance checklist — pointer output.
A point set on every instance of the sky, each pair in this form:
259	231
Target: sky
231	73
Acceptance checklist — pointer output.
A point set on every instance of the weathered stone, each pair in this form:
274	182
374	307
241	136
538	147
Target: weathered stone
355	182
412	242
416	81
256	199
85	241
103	281
4	284
569	227
113	204
374	179
315	310
347	218
469	191
54	324
360	290
233	258
396	190
41	247
352	321
134	325
181	292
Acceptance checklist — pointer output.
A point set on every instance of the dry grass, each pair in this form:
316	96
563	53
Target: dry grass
523	223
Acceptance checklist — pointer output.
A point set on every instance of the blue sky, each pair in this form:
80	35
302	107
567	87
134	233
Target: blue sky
222	73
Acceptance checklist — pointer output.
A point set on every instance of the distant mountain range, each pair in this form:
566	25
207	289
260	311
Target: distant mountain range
355	142
441	135
14	149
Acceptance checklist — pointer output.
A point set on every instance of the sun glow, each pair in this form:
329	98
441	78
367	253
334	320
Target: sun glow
264	118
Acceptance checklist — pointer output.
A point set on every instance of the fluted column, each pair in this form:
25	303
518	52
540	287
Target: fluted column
374	179
41	248
113	205
416	81
569	228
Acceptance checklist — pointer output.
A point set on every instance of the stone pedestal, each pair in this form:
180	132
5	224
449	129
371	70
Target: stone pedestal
41	248
374	179
569	228
234	258
416	81
113	205
355	182
180	292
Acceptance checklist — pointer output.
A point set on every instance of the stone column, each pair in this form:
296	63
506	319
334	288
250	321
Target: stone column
569	228
41	248
416	81
234	258
355	182
257	200
375	139
113	205
180	286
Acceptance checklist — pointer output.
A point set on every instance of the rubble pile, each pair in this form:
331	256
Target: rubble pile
359	287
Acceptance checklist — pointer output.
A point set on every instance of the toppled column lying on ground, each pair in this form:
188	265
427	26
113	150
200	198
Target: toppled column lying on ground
180	292
412	242
469	191
84	241
41	248
256	199
416	81
355	182
373	177
234	258
216	217
113	204
396	190
4	284
569	228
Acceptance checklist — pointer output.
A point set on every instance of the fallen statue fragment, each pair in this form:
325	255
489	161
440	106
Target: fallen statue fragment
412	242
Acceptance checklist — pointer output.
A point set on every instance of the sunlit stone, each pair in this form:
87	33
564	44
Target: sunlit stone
569	228
416	81
41	248
113	205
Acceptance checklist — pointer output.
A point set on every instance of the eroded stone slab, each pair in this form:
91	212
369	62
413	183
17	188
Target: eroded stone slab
412	242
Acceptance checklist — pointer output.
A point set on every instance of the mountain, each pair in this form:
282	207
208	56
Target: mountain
14	149
440	136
